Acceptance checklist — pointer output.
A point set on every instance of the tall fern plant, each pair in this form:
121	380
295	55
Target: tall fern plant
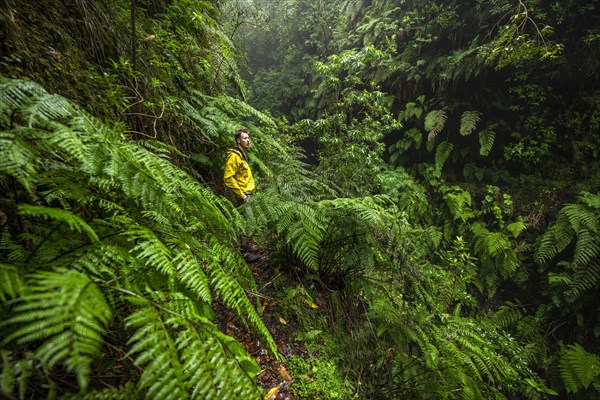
335	240
109	252
569	253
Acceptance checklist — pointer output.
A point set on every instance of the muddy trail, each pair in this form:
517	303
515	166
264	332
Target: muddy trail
274	376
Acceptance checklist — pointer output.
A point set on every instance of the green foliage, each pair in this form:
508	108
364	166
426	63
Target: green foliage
419	345
318	378
468	122
349	133
68	313
106	230
138	74
334	238
434	123
579	369
459	203
413	277
486	140
281	41
522	40
442	152
415	338
577	224
192	358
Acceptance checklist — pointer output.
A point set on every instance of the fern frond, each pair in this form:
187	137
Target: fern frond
586	277
305	235
578	222
187	354
578	368
486	140
15	95
103	261
68	314
126	392
591	200
442	153
218	366
497	255
191	274
517	227
155	349
47	107
508	314
468	122
68	143
19	158
12	283
151	250
434	123
233	295
73	221
459	202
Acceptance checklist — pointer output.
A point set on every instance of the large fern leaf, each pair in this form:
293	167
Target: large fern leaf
578	368
442	153
577	223
155	349
73	221
486	140
68	315
12	283
434	123
19	158
468	122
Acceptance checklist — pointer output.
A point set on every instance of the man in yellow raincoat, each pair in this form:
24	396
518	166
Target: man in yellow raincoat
238	176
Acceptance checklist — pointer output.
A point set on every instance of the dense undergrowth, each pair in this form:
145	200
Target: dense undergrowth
413	259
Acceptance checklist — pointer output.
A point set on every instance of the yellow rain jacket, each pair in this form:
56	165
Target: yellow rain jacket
238	175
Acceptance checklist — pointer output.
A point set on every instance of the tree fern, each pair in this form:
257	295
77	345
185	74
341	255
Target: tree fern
330	237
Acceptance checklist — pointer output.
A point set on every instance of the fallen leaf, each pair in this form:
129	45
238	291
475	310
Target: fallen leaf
284	373
272	395
283	321
313	305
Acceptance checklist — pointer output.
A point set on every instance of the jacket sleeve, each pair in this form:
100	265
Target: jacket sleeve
231	166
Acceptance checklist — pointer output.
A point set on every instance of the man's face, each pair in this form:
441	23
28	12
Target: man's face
244	141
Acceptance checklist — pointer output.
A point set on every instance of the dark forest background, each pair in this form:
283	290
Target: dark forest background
427	212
